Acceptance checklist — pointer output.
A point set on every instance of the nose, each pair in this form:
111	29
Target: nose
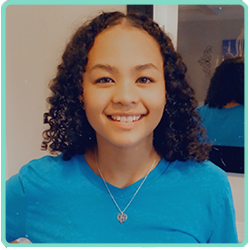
125	93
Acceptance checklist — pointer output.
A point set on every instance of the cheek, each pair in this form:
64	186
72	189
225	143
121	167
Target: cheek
158	99
90	98
95	103
92	118
91	108
90	104
158	106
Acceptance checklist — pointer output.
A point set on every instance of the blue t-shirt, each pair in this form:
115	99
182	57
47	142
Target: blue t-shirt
224	126
56	201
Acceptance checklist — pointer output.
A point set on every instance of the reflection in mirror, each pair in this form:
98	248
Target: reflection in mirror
203	33
209	35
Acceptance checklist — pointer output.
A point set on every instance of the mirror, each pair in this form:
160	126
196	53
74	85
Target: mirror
204	34
208	35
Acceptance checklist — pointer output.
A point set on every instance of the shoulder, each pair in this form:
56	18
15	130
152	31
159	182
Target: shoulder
49	164
202	167
202	174
238	109
43	165
240	106
49	171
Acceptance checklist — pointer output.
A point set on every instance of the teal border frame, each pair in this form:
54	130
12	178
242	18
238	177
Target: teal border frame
3	114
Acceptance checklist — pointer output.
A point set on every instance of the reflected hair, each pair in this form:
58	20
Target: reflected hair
177	136
227	83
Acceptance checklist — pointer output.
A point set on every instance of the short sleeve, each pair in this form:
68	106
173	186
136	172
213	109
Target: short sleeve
15	209
224	230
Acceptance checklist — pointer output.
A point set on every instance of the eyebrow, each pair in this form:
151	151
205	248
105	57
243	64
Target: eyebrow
113	69
145	66
105	67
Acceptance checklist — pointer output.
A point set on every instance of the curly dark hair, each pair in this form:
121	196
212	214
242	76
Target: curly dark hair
227	83
177	136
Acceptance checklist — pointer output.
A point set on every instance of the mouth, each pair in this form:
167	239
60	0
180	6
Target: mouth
125	119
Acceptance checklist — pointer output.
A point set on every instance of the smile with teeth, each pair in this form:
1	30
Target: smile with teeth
125	118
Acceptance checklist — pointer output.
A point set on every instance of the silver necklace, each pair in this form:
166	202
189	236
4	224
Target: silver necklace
121	217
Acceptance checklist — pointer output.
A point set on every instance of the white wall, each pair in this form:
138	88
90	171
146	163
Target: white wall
36	36
167	17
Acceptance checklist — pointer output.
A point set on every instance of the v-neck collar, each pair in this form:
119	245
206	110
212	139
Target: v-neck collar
127	191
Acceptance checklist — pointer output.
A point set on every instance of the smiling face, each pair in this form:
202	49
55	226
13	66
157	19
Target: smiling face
124	88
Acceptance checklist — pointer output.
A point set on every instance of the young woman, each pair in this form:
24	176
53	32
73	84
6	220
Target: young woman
132	167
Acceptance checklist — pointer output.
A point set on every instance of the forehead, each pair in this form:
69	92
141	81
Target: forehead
123	41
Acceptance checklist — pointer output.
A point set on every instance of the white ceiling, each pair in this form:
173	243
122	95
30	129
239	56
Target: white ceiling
210	12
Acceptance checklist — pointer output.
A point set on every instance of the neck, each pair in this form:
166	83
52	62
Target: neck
122	166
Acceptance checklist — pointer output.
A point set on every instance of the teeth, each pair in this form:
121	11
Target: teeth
125	118
129	119
116	118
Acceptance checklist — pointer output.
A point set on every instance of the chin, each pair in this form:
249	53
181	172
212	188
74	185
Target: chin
131	142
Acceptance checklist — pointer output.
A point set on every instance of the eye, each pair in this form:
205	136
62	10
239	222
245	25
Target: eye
104	80
144	80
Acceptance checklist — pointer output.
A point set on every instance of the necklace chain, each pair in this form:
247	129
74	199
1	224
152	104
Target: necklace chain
122	217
